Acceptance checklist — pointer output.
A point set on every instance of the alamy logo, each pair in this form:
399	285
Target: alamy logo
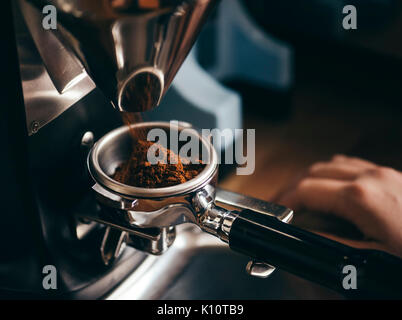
350	20
49	22
50	279
350	280
187	146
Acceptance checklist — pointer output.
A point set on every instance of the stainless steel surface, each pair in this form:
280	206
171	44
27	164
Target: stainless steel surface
113	244
241	201
114	148
131	49
155	242
146	213
212	219
62	65
135	209
87	140
200	266
47	96
200	215
259	269
132	209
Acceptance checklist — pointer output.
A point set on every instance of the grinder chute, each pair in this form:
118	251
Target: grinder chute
131	49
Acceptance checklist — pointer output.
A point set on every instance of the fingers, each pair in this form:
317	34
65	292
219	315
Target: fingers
340	198
357	190
340	158
341	186
315	194
330	187
340	170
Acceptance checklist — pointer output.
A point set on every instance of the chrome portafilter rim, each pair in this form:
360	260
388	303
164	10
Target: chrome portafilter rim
102	178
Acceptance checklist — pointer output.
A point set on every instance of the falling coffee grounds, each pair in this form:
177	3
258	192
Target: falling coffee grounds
139	172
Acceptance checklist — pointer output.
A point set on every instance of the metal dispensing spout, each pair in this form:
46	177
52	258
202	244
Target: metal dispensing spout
131	49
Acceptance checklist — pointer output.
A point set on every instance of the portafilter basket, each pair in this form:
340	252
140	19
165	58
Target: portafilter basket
116	147
259	229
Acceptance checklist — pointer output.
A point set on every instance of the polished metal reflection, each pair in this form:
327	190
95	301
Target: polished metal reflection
200	266
131	49
53	77
113	244
259	269
131	209
115	147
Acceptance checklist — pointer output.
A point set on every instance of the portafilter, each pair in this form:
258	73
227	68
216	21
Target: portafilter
145	218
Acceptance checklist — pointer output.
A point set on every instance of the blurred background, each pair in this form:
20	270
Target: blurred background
310	88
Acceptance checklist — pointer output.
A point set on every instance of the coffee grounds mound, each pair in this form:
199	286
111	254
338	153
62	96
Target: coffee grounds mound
138	172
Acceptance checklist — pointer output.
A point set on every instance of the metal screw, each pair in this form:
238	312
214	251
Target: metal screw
87	140
34	127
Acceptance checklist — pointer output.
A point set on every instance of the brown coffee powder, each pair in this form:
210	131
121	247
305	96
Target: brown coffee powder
139	172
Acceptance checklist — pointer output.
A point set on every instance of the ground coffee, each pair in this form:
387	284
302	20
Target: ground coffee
139	172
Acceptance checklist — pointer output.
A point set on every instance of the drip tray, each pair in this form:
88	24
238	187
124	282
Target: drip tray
200	266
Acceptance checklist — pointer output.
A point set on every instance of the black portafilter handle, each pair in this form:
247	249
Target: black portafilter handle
265	238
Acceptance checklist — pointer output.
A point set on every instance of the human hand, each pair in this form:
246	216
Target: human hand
363	193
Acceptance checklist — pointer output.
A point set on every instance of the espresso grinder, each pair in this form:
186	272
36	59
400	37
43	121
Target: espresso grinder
64	209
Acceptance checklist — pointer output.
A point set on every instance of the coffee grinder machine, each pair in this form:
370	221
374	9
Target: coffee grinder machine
63	208
101	53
